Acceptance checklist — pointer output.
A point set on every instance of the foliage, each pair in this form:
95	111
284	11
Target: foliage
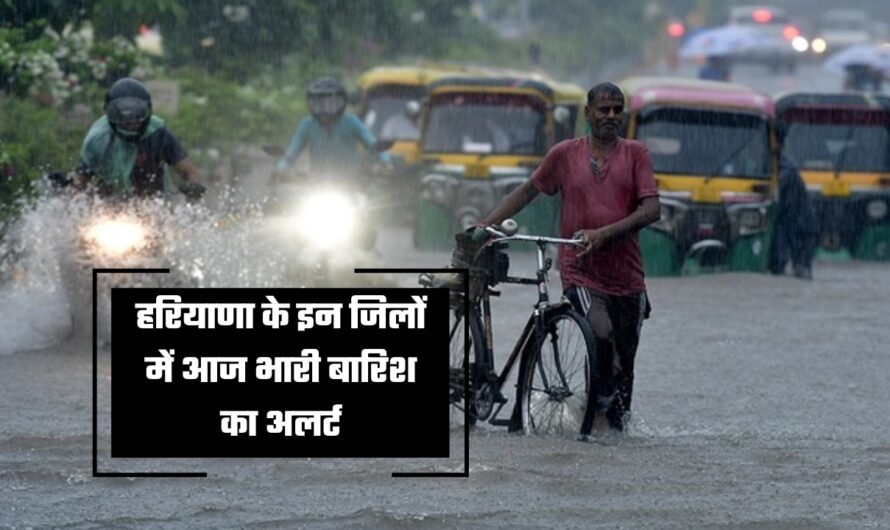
243	65
579	37
234	41
51	86
221	114
585	34
33	139
470	43
112	17
62	68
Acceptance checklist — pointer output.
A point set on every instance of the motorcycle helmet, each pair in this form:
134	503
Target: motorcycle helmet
327	98
126	103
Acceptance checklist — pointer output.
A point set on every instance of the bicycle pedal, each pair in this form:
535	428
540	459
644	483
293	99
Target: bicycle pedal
500	398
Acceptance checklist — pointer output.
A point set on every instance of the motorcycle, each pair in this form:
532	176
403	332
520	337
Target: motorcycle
329	221
113	233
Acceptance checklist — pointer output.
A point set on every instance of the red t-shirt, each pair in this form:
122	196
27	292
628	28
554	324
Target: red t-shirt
589	201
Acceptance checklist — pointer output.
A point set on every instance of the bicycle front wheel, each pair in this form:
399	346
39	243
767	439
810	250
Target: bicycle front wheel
457	344
559	377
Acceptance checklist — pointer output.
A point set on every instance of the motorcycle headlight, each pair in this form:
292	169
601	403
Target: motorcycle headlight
327	218
876	209
116	236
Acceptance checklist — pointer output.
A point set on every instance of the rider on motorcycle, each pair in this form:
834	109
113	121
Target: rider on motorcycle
331	134
128	150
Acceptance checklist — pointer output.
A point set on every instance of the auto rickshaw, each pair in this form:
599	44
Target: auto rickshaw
389	103
390	99
482	135
841	145
712	146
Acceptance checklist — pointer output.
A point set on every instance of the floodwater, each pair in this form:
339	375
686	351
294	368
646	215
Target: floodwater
760	402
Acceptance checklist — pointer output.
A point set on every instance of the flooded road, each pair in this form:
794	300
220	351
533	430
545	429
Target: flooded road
760	402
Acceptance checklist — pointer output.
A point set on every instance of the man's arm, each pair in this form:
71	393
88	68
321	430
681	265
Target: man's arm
192	187
297	143
186	168
367	138
646	213
544	179
512	203
176	156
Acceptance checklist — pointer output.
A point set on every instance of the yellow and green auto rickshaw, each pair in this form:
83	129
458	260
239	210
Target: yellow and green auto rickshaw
481	137
389	103
390	99
712	146
841	145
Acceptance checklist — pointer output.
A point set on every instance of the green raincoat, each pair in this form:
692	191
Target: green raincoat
112	158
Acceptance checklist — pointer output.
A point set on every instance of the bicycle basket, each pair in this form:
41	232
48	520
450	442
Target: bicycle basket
488	266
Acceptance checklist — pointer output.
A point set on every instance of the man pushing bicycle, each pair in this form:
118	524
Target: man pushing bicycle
608	194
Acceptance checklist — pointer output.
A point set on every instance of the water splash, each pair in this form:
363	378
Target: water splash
203	248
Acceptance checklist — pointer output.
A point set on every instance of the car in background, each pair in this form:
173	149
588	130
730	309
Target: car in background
839	28
786	44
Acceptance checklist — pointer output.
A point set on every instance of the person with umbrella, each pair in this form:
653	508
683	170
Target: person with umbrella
863	66
719	45
716	68
796	231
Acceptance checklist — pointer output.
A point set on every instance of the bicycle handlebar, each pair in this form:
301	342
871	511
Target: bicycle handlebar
502	237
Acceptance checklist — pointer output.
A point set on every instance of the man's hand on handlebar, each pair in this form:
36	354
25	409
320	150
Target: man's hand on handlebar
592	239
480	234
74	181
192	190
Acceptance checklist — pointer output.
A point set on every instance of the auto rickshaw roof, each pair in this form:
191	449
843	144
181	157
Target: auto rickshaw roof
418	75
563	90
641	91
502	78
830	101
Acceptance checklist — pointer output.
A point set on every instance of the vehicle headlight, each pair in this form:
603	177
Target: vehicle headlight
800	44
436	188
819	45
673	214
439	192
666	222
876	208
116	236
750	219
468	217
327	218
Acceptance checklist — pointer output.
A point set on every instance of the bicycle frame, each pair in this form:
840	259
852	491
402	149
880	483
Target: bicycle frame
480	315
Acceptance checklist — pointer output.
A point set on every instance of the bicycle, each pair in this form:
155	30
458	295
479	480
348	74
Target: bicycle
556	350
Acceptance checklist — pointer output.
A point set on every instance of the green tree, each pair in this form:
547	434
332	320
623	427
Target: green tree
583	35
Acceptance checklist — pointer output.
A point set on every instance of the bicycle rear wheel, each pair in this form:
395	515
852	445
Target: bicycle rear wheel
559	376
